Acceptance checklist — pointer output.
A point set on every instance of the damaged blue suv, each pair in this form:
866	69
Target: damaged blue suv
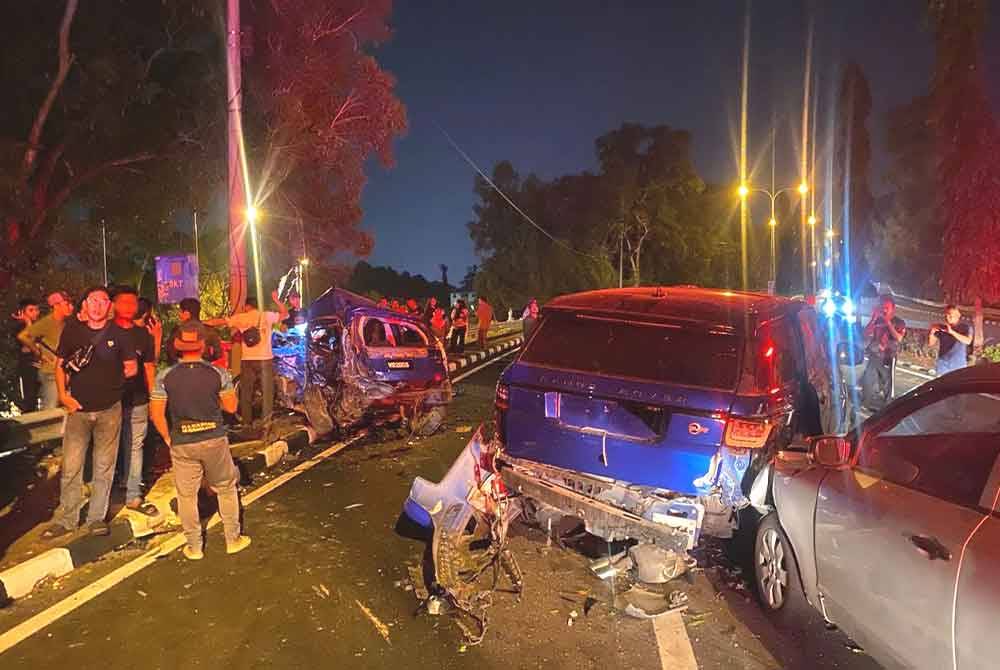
648	412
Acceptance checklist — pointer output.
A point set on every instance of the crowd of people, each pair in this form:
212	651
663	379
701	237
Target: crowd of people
98	357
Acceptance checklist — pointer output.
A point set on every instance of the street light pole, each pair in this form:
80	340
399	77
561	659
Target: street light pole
745	191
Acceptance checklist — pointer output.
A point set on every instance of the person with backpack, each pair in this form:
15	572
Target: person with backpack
257	361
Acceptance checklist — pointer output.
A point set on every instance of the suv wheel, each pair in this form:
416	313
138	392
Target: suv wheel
776	574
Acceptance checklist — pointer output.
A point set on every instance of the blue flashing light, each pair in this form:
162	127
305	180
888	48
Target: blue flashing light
829	309
848	307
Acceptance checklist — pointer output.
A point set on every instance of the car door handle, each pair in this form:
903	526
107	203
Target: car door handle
930	547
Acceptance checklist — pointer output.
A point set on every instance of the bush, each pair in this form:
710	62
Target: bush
992	353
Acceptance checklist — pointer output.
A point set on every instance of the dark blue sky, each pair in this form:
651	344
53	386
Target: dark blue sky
537	82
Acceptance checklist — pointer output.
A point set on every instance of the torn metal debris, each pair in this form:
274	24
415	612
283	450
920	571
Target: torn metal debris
470	513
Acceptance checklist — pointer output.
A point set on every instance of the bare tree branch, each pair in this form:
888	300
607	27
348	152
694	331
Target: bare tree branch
65	62
60	198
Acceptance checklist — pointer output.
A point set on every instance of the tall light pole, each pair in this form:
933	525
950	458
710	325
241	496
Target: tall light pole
251	218
744	94
744	192
304	276
237	179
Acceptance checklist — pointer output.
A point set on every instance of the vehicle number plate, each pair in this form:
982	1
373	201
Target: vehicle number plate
399	365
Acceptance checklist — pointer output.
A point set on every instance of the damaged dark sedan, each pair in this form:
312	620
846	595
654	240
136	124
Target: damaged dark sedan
354	362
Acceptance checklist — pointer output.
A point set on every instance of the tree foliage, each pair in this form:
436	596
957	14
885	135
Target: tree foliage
647	208
322	107
966	140
854	153
386	282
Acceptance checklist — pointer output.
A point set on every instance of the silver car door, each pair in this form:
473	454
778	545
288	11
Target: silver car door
889	531
977	602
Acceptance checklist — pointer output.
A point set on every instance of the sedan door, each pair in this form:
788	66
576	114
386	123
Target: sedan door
890	531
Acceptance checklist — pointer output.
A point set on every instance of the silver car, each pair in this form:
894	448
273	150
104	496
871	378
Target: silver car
892	532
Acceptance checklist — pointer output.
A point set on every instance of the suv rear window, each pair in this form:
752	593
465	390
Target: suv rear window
653	352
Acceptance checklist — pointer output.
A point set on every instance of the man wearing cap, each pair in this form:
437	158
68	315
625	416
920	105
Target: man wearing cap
193	394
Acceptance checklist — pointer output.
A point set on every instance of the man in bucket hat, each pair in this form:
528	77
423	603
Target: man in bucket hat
193	394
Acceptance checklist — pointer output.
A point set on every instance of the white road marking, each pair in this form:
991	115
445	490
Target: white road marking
915	374
673	643
27	628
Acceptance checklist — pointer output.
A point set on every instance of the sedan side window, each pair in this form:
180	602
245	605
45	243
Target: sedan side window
945	449
959	413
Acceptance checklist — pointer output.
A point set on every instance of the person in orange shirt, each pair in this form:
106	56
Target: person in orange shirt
484	313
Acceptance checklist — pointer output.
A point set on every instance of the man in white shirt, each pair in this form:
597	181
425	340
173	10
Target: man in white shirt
257	360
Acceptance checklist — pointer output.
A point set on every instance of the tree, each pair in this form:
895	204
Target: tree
911	228
852	187
322	107
126	91
649	172
966	140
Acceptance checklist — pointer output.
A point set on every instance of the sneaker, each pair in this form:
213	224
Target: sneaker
237	545
54	531
99	528
193	554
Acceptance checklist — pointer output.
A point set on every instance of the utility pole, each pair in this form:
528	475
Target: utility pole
236	174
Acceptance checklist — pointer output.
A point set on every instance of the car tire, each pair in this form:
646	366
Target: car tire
776	573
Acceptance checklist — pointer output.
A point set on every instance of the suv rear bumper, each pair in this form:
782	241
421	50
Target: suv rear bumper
672	523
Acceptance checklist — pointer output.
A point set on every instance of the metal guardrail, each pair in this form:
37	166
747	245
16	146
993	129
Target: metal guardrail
20	432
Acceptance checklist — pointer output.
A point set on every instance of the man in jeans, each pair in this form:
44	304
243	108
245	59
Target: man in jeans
884	332
43	337
257	362
194	393
100	357
135	398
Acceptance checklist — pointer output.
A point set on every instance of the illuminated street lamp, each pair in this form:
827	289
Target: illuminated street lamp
744	191
252	215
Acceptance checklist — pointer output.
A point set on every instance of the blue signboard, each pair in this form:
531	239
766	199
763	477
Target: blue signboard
176	278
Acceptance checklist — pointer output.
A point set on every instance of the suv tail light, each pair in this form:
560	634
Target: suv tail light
747	434
502	400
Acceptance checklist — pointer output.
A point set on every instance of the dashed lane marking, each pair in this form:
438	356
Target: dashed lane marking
673	643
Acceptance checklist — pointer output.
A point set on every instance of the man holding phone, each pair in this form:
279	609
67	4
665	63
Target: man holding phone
884	332
952	339
101	359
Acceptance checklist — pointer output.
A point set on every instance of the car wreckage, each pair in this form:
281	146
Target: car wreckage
354	362
647	414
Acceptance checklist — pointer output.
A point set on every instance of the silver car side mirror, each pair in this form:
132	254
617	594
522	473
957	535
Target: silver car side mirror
831	451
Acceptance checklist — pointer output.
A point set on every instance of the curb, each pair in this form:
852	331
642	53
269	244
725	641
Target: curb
917	368
127	526
473	357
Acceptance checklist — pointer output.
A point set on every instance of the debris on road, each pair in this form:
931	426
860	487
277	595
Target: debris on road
470	513
382	629
642	603
354	506
573	616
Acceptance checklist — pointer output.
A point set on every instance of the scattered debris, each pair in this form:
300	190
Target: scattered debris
573	616
142	593
588	605
433	605
463	429
382	629
354	506
642	603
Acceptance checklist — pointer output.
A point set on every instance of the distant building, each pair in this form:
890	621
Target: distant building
468	296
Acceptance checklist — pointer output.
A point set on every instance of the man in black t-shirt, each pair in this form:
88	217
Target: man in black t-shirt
135	396
193	393
100	357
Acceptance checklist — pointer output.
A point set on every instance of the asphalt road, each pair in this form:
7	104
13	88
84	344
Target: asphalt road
326	550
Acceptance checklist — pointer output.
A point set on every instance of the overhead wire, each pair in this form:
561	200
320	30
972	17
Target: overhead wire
503	195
